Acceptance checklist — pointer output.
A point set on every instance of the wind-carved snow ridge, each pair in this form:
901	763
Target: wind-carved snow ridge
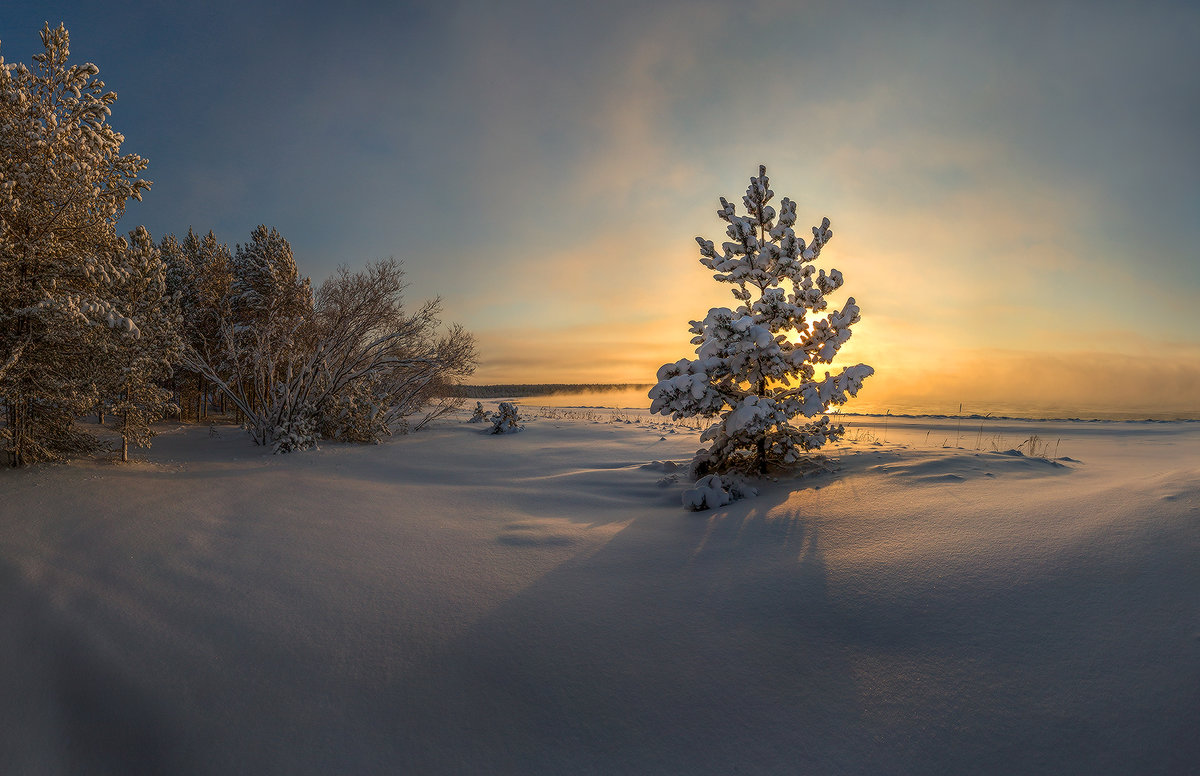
756	365
930	467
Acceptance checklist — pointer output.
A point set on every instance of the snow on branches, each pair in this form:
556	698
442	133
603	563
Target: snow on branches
145	361
506	420
347	363
756	365
63	187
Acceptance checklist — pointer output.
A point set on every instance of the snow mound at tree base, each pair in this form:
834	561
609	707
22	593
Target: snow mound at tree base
715	490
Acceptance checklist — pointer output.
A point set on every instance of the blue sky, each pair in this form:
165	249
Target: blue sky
1014	187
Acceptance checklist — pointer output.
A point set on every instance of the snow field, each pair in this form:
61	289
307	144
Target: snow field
459	602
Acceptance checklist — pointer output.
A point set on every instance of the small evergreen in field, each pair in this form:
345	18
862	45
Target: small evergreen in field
756	365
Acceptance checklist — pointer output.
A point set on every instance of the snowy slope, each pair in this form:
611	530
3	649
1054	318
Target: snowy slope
456	602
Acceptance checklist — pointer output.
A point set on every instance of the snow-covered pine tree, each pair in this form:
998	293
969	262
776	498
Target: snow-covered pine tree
270	304
63	187
146	361
204	295
267	286
209	283
179	274
755	366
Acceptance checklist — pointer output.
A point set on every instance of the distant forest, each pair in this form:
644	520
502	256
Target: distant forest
544	389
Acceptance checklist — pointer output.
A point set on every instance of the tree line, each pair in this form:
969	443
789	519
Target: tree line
537	389
92	321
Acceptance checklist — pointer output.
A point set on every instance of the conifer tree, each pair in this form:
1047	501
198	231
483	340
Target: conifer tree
270	305
63	187
143	363
200	276
755	366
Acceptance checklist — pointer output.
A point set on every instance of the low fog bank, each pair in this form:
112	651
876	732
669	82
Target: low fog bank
627	396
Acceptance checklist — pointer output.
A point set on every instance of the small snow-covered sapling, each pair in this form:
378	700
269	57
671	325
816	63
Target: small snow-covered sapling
506	420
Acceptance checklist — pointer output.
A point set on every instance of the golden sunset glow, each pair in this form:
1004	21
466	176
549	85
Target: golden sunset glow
996	220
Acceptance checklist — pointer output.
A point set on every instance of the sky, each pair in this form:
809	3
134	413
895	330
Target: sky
1014	187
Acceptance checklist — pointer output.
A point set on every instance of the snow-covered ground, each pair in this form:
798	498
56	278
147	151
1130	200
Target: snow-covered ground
538	603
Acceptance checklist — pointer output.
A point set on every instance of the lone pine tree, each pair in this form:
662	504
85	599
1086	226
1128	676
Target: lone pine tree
756	365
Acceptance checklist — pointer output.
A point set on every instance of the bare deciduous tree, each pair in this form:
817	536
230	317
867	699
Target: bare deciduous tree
355	368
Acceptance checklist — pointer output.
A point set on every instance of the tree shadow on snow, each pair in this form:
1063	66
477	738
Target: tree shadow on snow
67	708
685	645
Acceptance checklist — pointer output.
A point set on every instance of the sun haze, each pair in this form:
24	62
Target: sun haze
1013	195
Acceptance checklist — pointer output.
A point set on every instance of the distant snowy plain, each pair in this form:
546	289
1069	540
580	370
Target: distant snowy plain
538	603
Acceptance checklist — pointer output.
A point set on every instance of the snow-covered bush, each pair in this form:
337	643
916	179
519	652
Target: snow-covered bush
479	414
755	365
348	363
713	490
353	415
405	361
300	433
506	419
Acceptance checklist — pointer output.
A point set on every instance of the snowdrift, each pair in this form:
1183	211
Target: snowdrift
538	603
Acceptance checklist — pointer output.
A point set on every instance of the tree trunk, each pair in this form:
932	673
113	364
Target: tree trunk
762	441
18	409
19	424
14	454
125	427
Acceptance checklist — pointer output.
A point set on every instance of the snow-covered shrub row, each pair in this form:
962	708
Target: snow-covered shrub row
755	365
